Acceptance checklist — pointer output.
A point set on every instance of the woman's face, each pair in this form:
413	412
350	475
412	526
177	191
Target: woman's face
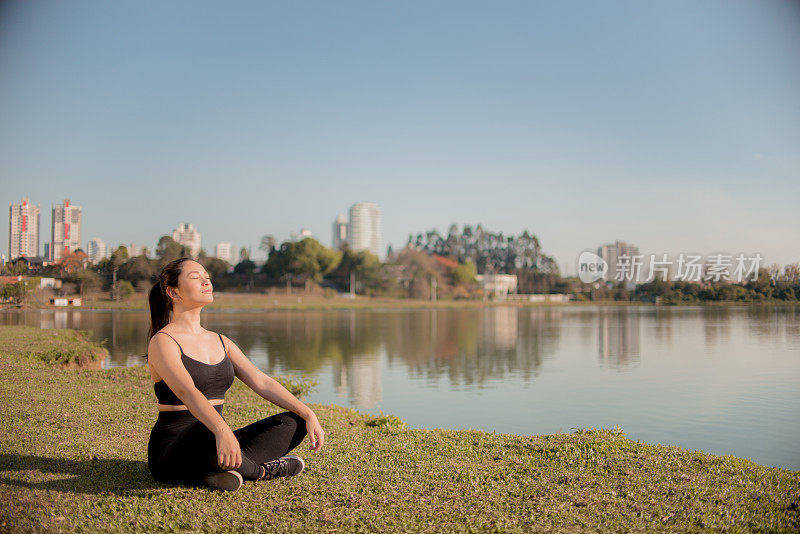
194	285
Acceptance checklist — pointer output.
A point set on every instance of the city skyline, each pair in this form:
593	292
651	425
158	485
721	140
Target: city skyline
670	126
188	234
361	232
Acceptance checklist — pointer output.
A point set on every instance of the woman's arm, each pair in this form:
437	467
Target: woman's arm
272	391
165	358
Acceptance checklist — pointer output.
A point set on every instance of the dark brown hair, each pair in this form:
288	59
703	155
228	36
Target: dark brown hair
160	302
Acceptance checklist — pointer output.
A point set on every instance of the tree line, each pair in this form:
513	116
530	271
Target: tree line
429	263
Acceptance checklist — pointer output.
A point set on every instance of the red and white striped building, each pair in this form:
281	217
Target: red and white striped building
65	231
23	230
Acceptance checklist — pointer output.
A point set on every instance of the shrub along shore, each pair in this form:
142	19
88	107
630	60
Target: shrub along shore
73	458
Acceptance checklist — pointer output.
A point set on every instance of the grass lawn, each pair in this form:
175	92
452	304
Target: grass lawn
73	458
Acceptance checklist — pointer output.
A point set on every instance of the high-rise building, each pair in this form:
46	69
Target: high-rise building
188	236
299	236
611	254
136	250
96	249
65	231
340	233
23	230
365	227
223	251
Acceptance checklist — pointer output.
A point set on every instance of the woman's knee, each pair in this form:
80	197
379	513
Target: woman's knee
293	420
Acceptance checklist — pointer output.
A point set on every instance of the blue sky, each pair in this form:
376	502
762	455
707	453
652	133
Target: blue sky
671	125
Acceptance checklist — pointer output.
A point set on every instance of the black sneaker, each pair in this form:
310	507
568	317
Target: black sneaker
226	480
285	466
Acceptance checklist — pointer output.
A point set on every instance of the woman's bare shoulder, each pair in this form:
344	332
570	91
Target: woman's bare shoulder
228	341
225	338
162	342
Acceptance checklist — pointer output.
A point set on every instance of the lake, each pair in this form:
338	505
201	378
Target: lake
720	379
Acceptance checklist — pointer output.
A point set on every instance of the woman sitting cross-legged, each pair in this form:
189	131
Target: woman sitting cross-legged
191	443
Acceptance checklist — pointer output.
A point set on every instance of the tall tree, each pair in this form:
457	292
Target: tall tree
365	265
215	266
305	257
169	250
137	269
119	256
490	252
267	244
246	266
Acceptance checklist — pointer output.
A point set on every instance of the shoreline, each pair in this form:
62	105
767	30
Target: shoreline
73	457
265	302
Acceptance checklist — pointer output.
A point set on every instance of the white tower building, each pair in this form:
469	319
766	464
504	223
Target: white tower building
299	236
223	251
365	227
188	236
96	249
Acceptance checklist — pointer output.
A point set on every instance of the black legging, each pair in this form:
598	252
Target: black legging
183	450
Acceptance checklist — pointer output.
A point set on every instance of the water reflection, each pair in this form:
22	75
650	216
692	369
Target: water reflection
467	347
716	326
360	384
768	324
471	347
618	338
663	326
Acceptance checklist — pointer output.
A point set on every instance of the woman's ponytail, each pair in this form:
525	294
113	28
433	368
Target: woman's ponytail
160	303
159	309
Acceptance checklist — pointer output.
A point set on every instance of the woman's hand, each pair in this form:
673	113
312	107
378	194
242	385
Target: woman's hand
315	433
229	454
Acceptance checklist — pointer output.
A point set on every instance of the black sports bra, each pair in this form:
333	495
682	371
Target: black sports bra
213	380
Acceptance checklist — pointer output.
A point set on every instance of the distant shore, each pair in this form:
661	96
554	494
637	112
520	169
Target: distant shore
314	301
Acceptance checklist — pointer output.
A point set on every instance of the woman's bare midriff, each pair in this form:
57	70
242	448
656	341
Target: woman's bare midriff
179	407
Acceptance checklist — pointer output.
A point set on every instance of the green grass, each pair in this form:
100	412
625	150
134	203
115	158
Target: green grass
56	347
73	458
